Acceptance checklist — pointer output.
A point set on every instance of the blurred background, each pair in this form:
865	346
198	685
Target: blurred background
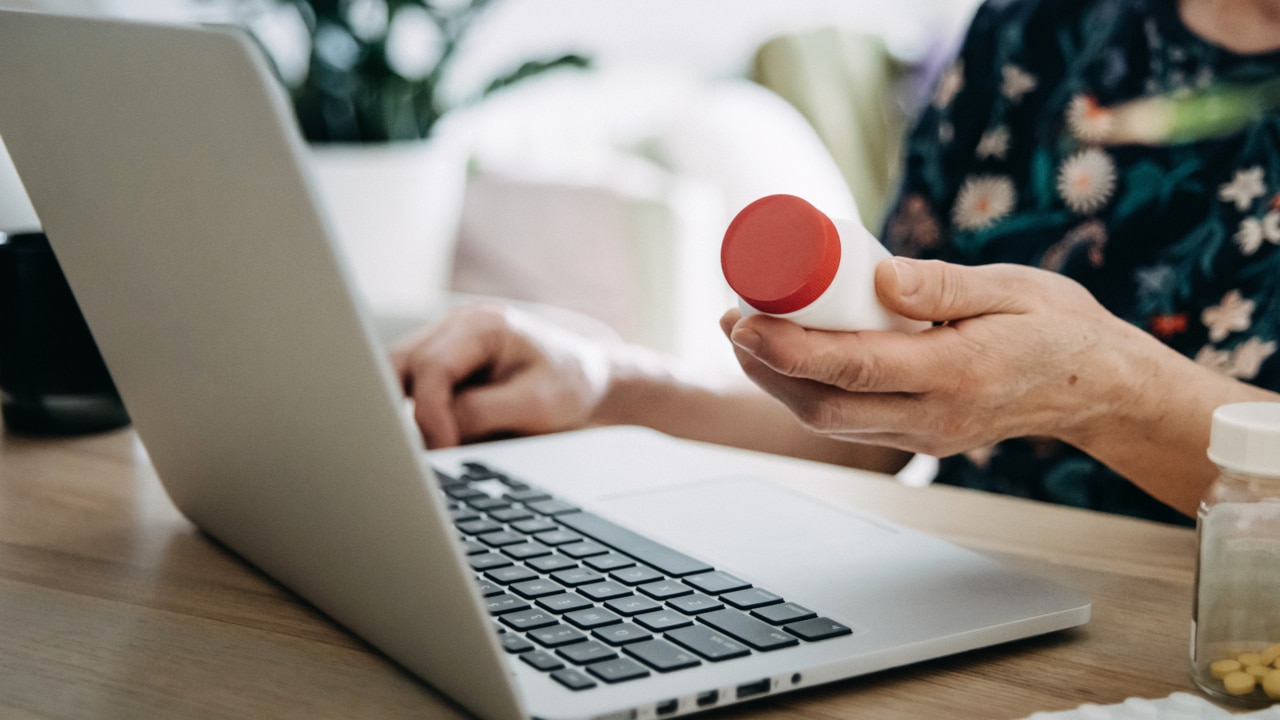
579	154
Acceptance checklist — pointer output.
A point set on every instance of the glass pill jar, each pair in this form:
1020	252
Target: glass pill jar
1235	618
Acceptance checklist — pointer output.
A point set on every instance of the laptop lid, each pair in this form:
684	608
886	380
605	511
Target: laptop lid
165	169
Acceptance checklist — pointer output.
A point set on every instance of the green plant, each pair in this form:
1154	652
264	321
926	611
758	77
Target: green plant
375	66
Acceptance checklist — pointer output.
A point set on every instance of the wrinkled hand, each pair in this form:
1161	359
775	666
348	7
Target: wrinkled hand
490	370
1022	352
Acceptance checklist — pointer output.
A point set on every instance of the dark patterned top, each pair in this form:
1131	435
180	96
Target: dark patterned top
1028	153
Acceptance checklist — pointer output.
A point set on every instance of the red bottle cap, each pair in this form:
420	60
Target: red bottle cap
780	253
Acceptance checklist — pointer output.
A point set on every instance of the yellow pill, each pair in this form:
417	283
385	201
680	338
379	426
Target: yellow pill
1271	654
1271	684
1247	659
1223	668
1258	670
1239	683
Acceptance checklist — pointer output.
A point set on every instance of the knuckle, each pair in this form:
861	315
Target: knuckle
856	376
950	287
819	416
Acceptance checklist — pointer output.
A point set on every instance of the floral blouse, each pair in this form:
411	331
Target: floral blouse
1072	135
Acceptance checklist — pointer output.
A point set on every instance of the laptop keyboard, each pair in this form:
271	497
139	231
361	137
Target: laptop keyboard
588	601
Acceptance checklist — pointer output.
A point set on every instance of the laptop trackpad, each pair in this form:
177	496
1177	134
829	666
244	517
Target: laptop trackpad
750	526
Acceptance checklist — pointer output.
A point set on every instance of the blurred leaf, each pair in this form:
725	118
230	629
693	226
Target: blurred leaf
536	67
351	94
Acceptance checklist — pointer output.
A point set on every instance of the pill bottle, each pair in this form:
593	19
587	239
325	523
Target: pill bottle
784	257
1235	616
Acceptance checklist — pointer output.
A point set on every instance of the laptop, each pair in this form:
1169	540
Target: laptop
607	573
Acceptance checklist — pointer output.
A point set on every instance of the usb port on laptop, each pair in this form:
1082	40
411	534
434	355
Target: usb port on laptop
759	687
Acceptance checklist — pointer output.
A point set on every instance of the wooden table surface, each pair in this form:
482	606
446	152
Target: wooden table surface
112	605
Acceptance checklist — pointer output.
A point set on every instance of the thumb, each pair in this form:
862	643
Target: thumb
938	291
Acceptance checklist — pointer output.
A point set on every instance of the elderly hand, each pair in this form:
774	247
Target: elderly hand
490	370
1022	352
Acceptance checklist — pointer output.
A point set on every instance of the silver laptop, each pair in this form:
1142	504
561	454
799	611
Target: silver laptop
609	573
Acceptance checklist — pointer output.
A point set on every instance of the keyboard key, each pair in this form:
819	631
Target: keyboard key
463	514
818	628
488	589
527	550
536	588
714	583
510	514
505	603
584	549
514	644
502	538
573	679
487	561
784	613
577	576
695	603
534	525
530	619
619	670
635	545
479	526
475	471
556	635
527	495
563	603
636	575
542	660
632	605
707	643
663	620
587	652
661	655
487	503
463	492
557	537
604	591
510	574
551	563
750	598
611	561
621	634
592	617
664	589
551	507
472	547
755	633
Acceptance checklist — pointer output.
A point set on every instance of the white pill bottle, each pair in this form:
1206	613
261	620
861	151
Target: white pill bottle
1235	616
786	258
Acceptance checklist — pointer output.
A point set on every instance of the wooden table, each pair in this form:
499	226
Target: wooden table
112	605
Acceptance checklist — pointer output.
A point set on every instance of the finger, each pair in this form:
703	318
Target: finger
892	419
868	361
896	420
460	349
937	291
729	319
524	406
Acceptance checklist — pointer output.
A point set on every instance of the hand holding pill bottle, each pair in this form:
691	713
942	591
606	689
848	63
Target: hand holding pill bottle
1235	622
784	257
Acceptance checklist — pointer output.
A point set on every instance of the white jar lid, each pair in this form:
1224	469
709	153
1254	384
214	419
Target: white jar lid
1245	437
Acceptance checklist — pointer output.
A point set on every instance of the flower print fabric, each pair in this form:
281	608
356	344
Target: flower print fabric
1035	150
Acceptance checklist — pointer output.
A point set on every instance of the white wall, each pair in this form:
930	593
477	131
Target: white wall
715	38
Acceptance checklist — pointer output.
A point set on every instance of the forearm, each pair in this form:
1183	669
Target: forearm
1158	435
655	391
